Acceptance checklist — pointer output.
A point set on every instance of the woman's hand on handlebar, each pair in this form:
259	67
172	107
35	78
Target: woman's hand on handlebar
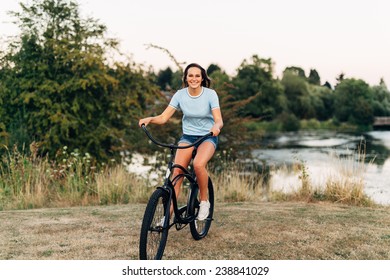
144	121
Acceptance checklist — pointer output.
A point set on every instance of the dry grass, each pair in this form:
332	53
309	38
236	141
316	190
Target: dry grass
71	179
247	231
234	185
344	182
28	181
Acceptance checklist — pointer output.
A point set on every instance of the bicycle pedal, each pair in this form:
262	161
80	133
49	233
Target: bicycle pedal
179	226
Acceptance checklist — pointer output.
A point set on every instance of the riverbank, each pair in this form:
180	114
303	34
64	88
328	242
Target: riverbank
365	157
242	231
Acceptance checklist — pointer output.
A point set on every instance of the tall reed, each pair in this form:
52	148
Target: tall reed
347	185
344	182
23	179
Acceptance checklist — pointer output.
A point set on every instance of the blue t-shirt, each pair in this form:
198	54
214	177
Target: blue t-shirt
197	116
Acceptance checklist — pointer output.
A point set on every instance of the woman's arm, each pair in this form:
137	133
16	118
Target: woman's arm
160	119
218	121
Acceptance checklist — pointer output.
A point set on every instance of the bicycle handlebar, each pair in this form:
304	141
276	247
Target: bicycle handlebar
173	146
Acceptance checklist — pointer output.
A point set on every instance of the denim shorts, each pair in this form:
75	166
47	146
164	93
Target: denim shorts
189	139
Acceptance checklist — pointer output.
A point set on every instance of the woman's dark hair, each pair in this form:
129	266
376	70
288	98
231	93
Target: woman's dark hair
205	79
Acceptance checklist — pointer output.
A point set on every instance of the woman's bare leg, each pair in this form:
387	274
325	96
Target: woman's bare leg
204	154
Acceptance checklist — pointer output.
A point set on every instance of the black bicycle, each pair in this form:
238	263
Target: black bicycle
157	221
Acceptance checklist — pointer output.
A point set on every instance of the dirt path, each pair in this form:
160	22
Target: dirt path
248	231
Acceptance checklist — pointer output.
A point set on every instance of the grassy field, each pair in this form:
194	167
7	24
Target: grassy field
245	231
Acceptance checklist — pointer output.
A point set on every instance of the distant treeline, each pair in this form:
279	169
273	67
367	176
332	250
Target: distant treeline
61	85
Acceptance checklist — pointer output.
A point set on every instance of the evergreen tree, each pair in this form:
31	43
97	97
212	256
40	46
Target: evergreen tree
164	79
314	77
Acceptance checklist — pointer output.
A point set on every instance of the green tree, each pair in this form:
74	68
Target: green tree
314	77
296	90
255	80
327	84
296	71
213	68
322	102
235	136
58	88
164	78
381	99
354	102
219	78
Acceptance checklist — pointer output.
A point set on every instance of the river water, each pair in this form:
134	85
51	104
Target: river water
327	154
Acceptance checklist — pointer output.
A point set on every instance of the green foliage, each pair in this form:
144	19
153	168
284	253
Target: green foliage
289	122
296	90
255	80
353	102
321	101
381	100
164	78
234	136
58	88
314	77
169	81
213	68
295	71
220	80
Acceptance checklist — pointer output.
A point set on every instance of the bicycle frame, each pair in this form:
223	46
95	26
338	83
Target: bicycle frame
168	184
169	187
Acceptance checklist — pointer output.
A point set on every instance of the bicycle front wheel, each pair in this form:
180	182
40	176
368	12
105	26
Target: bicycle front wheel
155	226
199	229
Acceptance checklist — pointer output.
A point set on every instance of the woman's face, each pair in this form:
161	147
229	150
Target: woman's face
194	77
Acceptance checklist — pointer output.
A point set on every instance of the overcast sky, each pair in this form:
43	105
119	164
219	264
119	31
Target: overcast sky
331	36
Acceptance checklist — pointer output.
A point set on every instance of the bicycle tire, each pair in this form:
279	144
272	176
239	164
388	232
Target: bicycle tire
199	229
153	237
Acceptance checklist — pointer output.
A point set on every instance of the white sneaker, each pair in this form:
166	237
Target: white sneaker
204	208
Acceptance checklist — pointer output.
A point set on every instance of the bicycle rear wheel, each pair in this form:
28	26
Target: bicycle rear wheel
199	229
154	229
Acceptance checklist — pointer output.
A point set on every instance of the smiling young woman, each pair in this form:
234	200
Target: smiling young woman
194	81
201	115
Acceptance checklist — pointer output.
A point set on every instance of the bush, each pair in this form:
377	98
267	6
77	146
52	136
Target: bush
289	122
